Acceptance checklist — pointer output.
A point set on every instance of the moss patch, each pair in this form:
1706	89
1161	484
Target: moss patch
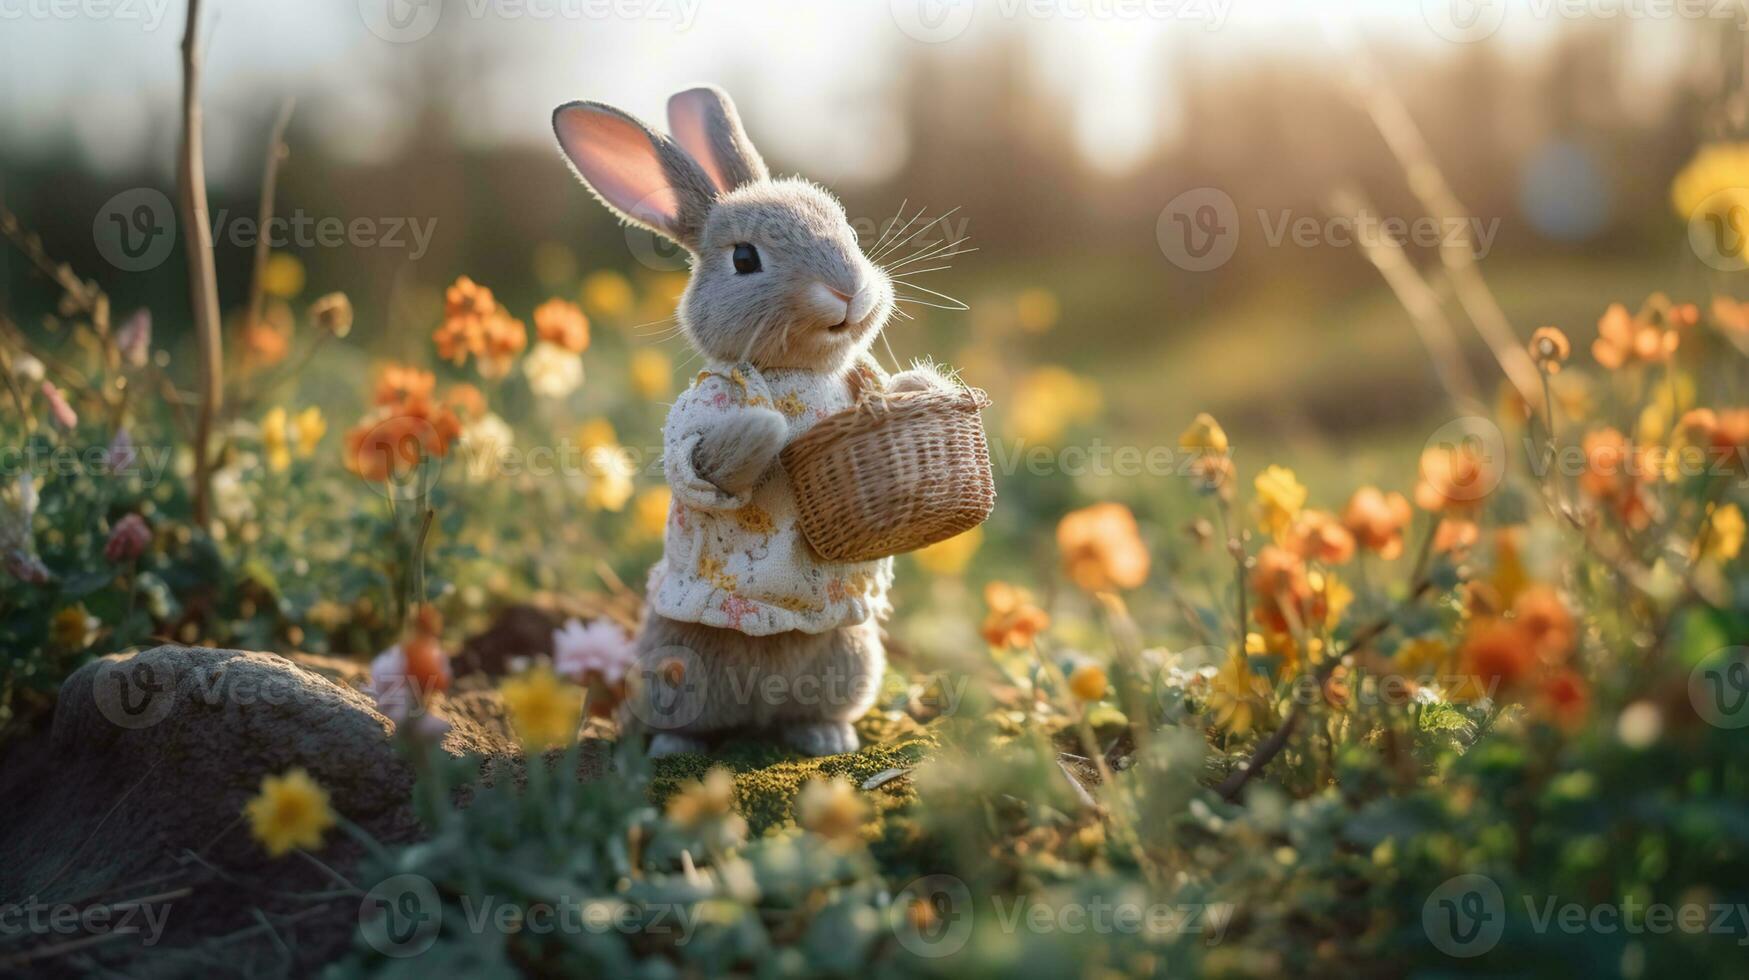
768	775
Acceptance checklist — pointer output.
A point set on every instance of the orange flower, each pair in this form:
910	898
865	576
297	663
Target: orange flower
1563	698
1102	548
1013	620
427	664
1377	521
1455	534
395	439
1497	656
1456	477
1544	618
1614	473
1317	535
399	382
466	401
1549	348
1724	435
264	345
562	322
1649	337
474	324
1285	597
1731	316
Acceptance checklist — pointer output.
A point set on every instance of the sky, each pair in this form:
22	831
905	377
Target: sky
99	78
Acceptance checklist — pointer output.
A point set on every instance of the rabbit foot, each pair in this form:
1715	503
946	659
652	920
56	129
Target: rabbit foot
667	744
822	737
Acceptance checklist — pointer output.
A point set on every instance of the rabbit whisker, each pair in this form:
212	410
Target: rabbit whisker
937	306
933	257
891	222
892	244
950	299
917	272
936	220
933	251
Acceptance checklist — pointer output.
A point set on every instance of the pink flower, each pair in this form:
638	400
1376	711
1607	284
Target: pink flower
127	540
397	692
61	412
601	648
134	339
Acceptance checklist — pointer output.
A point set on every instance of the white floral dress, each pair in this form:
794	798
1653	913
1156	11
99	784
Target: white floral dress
739	561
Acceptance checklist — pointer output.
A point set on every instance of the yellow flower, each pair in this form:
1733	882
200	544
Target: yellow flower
73	628
1725	539
1036	310
597	433
1049	400
610	479
544	710
307	429
606	294
1717	179
651	372
1204	435
1426	655
1235	696
831	808
273	440
283	277
1279	499
707	799
650	513
950	557
1088	682
290	811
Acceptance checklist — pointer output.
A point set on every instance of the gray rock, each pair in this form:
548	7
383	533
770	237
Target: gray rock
136	795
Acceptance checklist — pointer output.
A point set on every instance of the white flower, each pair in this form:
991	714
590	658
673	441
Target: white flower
601	648
231	497
17	541
27	369
552	371
484	443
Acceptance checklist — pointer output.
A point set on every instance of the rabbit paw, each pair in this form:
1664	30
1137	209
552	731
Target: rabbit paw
923	377
667	744
822	737
735	454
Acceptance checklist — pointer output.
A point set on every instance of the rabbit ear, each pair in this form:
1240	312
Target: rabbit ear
637	172
704	121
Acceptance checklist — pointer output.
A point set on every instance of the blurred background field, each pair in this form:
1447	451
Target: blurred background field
1061	140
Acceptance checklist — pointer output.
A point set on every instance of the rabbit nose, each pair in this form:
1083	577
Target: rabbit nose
839	293
831	302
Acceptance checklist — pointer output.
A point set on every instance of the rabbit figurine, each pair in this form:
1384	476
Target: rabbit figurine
745	627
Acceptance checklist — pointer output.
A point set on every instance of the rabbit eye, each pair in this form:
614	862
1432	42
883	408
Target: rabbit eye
746	259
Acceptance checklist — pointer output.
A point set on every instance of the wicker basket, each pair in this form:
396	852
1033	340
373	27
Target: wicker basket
892	474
